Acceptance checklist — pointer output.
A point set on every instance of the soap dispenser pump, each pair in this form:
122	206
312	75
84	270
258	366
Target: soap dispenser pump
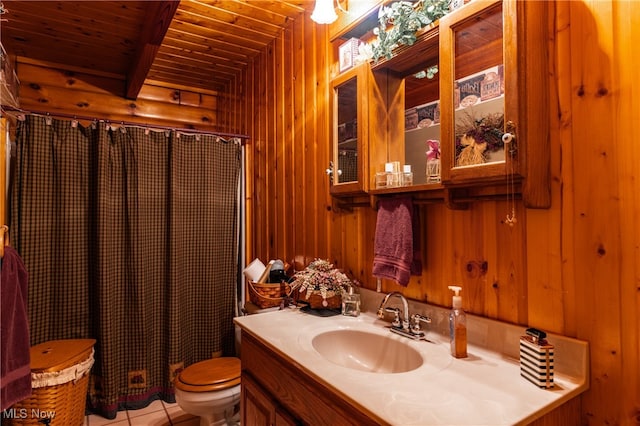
458	325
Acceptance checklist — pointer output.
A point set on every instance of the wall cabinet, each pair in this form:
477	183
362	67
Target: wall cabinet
358	126
491	57
473	96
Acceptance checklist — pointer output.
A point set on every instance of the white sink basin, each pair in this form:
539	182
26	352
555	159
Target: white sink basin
365	351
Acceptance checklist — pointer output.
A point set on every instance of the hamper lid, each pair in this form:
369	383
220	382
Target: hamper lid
56	355
212	374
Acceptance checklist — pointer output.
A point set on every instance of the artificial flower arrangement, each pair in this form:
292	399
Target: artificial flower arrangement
434	149
321	285
433	161
475	135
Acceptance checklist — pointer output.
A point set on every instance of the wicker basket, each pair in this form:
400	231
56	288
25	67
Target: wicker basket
60	379
267	295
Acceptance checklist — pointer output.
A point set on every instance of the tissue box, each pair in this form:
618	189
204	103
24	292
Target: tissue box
536	361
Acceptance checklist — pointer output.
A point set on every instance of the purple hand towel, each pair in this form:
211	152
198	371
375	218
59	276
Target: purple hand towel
15	358
396	256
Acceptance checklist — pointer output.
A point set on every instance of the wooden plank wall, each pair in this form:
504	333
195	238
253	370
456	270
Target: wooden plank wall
601	102
571	269
43	87
288	204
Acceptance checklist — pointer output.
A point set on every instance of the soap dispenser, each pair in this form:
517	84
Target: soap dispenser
458	325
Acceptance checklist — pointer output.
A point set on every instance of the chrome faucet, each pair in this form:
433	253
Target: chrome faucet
404	327
405	312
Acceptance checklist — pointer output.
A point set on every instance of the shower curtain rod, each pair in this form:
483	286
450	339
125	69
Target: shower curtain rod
7	108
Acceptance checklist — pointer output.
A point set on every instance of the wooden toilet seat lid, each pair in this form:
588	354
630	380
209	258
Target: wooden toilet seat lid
210	375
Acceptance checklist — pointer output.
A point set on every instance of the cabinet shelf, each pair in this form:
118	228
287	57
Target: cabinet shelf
408	60
481	104
349	144
408	189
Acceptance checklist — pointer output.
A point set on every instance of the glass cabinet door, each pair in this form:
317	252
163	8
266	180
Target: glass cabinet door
474	94
349	123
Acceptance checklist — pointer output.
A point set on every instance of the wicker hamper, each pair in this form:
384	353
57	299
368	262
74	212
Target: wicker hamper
59	381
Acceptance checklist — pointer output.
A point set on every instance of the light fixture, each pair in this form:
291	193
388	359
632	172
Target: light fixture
324	12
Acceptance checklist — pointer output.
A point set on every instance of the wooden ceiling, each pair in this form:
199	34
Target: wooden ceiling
180	44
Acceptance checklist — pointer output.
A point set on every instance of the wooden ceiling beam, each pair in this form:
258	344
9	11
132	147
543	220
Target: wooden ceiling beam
160	15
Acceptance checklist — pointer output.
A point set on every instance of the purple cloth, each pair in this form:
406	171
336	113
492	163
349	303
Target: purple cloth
396	254
15	358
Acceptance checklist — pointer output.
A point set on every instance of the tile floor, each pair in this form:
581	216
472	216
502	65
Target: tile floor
158	413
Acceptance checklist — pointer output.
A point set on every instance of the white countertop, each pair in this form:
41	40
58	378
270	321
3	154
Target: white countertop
484	389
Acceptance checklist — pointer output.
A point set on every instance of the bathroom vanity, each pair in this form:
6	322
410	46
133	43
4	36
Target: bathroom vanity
276	391
303	369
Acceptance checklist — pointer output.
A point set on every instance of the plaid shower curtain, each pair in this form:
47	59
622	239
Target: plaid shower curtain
130	237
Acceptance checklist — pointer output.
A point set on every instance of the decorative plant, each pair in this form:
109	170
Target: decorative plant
474	136
428	73
321	277
434	149
399	22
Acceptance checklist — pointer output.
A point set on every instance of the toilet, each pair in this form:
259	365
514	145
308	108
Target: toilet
210	389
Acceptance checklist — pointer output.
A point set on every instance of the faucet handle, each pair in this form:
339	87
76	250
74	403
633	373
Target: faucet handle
396	319
416	318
